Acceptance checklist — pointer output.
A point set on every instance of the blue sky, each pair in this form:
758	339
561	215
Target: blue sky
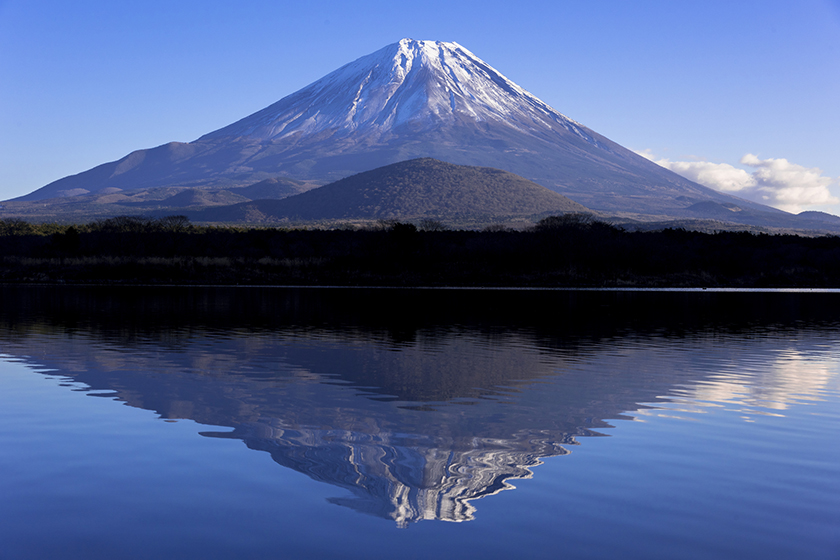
744	96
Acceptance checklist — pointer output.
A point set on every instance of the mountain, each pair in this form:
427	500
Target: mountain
409	100
412	189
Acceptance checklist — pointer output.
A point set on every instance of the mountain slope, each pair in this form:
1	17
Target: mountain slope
272	188
201	197
411	99
411	189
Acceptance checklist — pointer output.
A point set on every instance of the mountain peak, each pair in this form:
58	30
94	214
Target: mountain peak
417	83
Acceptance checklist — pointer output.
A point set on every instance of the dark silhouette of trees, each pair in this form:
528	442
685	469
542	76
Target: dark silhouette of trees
568	250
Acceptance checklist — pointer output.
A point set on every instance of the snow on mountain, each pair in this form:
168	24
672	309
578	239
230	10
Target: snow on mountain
422	83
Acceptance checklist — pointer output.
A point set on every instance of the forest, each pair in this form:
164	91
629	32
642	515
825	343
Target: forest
571	250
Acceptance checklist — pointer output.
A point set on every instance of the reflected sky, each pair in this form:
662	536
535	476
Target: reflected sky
419	403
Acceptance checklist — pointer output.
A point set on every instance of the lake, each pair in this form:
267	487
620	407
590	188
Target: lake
165	422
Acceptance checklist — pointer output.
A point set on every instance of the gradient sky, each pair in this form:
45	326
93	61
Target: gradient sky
740	95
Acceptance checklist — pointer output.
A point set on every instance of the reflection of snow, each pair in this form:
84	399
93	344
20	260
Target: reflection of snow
407	478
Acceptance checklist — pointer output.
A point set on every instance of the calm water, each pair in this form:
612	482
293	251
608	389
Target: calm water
271	423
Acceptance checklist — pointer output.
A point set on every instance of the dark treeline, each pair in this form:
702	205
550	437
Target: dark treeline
570	250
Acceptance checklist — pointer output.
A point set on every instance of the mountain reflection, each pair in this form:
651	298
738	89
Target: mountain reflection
417	409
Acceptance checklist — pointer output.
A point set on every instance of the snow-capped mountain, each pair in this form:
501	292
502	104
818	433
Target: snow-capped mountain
421	84
412	99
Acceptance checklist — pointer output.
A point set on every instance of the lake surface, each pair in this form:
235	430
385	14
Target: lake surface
351	423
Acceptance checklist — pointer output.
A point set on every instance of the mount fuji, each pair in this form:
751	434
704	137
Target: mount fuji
408	100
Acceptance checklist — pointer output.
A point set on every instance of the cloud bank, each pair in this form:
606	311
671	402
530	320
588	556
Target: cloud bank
775	182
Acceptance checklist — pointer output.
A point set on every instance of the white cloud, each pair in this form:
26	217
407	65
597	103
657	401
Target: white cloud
775	182
647	154
789	184
720	176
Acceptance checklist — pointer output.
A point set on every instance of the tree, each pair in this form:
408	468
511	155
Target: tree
429	224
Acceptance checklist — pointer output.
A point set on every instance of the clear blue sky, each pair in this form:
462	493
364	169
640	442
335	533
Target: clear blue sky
694	84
